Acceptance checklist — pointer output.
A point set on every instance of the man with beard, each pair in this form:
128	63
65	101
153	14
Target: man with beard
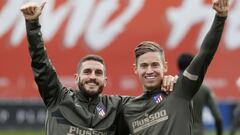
72	112
154	112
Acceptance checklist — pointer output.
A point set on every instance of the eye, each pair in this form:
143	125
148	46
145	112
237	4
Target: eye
155	64
144	65
99	72
87	71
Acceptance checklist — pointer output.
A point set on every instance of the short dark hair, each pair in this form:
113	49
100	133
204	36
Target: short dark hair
148	46
184	60
90	57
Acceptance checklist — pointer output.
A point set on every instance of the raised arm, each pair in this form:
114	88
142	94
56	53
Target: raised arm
44	73
195	72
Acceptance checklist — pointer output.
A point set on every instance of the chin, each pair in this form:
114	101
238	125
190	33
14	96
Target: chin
151	87
92	94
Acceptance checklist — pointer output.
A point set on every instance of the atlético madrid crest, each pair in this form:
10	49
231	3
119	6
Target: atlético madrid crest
101	110
157	98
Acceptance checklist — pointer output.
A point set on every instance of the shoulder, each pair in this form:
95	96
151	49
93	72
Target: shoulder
69	91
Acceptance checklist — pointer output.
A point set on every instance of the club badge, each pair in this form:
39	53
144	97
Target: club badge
101	110
157	98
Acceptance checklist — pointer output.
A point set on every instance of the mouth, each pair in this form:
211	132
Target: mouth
150	78
91	84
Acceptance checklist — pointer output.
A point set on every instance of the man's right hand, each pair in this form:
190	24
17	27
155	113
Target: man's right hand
168	83
221	7
32	11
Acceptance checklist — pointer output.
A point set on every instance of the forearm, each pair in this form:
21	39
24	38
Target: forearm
195	72
200	63
212	39
36	44
44	73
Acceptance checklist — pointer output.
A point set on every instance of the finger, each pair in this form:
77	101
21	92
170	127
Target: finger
164	81
23	7
171	86
176	78
225	3
37	11
222	4
24	11
215	2
42	5
163	89
217	8
230	2
169	82
168	88
32	10
29	10
214	5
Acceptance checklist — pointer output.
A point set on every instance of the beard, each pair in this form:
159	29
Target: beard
90	93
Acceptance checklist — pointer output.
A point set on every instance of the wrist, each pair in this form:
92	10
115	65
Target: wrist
222	14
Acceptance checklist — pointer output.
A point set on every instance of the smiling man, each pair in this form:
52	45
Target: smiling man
154	112
72	112
83	111
150	67
91	75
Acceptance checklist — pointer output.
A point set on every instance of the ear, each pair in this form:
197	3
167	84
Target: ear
135	68
165	67
105	82
76	76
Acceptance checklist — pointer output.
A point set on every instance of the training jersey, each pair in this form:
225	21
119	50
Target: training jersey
70	112
155	113
204	97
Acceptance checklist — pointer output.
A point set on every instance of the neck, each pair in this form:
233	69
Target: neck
89	97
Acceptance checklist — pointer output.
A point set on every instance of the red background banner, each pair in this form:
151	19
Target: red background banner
112	29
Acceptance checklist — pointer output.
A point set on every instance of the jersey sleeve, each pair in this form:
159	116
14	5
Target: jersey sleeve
44	73
193	76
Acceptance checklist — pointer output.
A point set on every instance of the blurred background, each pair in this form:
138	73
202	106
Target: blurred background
112	29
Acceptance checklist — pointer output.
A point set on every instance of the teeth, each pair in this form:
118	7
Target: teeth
150	77
91	83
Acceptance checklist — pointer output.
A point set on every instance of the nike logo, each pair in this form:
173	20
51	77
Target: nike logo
77	105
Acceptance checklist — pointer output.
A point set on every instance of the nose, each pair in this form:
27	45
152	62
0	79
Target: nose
149	70
92	75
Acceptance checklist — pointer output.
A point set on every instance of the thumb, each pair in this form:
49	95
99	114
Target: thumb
214	1
42	5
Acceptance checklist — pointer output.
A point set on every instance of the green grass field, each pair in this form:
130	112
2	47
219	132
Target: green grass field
21	132
40	132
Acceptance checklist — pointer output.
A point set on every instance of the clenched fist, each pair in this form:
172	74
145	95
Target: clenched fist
32	11
221	7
